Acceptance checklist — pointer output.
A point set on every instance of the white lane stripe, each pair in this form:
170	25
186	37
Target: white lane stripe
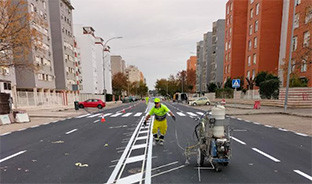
92	116
130	179
123	156
166	165
83	116
282	129
14	155
303	174
139	146
191	114
105	114
148	173
127	115
143	132
180	114
135	159
96	121
168	114
71	131
237	140
6	134
200	113
266	155
268	126
141	138
301	134
138	114
170	170
115	115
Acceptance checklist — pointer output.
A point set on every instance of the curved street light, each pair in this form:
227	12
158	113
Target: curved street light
105	44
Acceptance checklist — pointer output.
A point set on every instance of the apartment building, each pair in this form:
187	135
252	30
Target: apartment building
235	37
108	71
78	79
85	38
117	64
207	59
99	51
133	74
40	54
191	67
263	36
199	55
63	44
301	47
216	65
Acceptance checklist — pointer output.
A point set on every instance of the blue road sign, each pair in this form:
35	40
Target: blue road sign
235	83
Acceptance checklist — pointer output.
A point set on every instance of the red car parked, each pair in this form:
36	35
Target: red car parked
92	103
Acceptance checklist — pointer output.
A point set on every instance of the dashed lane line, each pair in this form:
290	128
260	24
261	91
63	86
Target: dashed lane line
303	174
266	155
237	140
14	155
74	130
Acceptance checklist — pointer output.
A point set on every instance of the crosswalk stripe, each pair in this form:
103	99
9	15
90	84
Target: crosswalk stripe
92	116
115	115
127	115
191	114
83	116
106	114
200	113
138	114
180	114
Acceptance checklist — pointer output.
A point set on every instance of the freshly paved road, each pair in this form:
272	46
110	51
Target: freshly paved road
84	150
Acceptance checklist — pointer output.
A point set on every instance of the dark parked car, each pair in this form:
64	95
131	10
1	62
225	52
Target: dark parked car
92	103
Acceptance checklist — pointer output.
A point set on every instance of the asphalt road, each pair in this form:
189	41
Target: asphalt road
85	150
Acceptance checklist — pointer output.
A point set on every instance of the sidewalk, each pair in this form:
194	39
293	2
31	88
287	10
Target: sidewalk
39	116
297	120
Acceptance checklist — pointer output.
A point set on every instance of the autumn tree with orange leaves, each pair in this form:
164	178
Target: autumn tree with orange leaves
17	37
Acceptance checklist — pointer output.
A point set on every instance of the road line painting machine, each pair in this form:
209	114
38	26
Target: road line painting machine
213	136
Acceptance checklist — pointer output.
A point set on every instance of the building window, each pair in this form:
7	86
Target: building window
293	66
298	2
250	29
251	13
44	5
256	26
257	9
254	58
248	74
253	74
304	66
231	7
226	46
306	39
251	1
308	16
296	23
227	9
230	44
32	7
230	31
249	45
249	60
295	41
255	42
229	68
231	19
225	70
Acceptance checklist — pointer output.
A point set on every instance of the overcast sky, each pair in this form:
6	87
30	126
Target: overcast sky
158	35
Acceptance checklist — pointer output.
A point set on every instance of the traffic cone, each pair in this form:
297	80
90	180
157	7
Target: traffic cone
123	111
103	119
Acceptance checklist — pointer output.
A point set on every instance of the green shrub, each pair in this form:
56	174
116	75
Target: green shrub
225	93
109	97
295	81
269	89
212	87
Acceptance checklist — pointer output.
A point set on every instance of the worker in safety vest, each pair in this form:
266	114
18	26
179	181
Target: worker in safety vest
146	100
160	123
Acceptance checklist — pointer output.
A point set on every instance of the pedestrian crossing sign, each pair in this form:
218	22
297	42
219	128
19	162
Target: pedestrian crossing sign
235	83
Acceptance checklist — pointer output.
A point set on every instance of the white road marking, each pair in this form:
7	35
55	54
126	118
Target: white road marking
173	169
71	131
303	174
135	159
200	113
22	129
35	126
172	163
107	114
130	179
256	123
191	114
14	155
239	119
266	155
143	132
148	173
141	138
237	140
301	134
282	129
6	134
168	114
115	115
112	166
139	146
247	121
180	114
92	116
268	126
127	115
82	116
138	114
96	121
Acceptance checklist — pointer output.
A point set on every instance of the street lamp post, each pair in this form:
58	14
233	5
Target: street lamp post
105	44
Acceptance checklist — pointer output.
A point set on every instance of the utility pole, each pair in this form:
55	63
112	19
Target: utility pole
290	56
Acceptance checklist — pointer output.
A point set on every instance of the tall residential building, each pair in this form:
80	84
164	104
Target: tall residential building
78	86
86	41
133	74
108	71
191	72
207	59
199	55
216	66
301	48
44	79
63	44
118	64
235	37
263	36
191	63
99	51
